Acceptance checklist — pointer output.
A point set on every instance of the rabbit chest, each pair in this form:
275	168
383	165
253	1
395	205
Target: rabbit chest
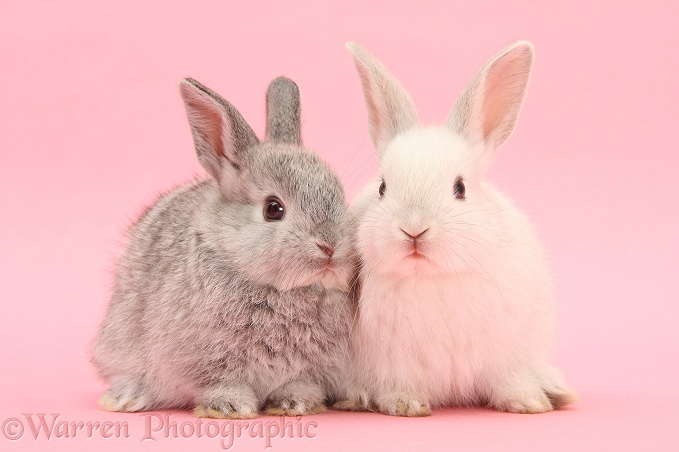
270	337
440	337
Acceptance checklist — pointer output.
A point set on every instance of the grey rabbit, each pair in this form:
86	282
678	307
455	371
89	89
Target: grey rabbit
232	294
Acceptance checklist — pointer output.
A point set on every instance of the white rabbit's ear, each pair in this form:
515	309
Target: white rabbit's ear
390	108
283	112
220	133
489	106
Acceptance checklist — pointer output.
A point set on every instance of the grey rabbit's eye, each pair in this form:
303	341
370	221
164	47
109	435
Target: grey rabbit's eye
383	188
273	209
459	188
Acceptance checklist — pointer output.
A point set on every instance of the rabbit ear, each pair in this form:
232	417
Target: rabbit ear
489	106
283	112
390	108
220	133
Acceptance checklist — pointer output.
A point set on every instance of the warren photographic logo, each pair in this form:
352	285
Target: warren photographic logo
155	426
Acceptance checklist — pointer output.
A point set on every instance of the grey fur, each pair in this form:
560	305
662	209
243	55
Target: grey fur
215	306
283	112
219	131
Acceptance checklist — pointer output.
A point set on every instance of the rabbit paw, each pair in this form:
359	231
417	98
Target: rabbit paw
293	408
527	403
224	401
126	395
296	398
354	405
226	410
561	397
355	399
403	405
529	394
555	389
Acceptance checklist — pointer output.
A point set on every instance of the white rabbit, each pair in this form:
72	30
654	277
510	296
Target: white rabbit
456	304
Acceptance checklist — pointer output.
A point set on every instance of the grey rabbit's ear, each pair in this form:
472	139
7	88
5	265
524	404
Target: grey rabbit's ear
390	108
283	112
220	133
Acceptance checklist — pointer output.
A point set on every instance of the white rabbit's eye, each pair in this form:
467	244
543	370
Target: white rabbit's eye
273	209
383	188
459	188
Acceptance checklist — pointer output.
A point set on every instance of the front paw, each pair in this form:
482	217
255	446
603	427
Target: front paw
227	401
296	398
226	410
527	403
354	398
403	405
293	408
354	404
126	395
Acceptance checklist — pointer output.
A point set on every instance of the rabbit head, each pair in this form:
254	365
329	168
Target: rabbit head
430	212
281	217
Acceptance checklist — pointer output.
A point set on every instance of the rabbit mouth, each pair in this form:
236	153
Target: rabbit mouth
415	249
327	267
416	256
414	262
331	276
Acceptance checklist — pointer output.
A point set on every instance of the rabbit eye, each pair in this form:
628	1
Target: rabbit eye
383	188
273	209
459	188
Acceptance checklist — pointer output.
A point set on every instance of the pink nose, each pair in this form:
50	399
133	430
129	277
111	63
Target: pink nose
326	249
414	235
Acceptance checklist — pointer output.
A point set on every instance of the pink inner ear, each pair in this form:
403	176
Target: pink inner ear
375	109
375	118
503	92
208	122
214	129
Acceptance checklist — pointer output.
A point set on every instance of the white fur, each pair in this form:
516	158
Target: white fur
472	321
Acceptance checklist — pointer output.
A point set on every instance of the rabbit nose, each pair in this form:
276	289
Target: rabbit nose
326	248
414	235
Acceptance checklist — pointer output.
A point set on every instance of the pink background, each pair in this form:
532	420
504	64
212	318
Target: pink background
92	127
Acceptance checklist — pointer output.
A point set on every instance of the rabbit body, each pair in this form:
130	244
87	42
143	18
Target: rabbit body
456	304
215	306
